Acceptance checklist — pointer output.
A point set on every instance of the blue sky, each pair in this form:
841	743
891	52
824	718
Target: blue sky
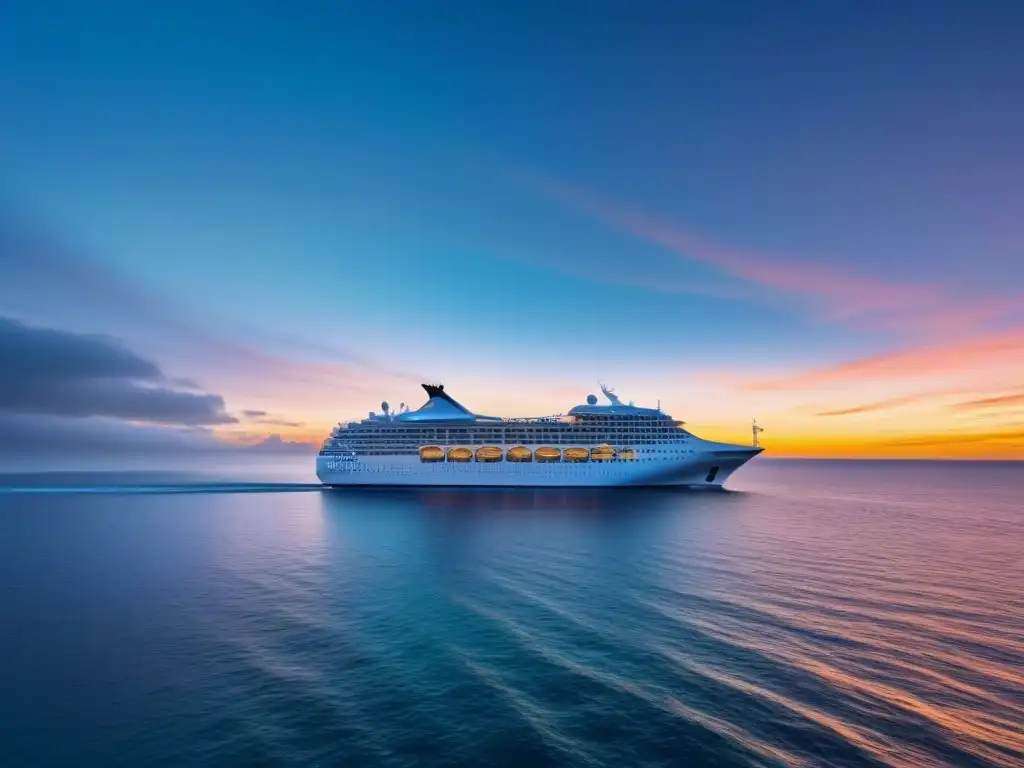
516	198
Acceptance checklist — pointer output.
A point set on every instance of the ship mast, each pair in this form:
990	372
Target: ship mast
757	430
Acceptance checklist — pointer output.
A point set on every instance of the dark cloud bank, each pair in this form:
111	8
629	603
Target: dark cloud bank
58	373
61	390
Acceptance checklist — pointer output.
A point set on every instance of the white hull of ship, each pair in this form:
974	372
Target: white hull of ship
656	466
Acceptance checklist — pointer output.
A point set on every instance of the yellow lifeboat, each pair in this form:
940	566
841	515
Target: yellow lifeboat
547	454
627	455
519	453
488	453
460	454
602	453
431	453
576	454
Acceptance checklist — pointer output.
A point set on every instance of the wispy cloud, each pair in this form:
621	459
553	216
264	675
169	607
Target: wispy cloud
1001	401
32	435
1002	348
41	269
838	294
263	417
890	403
283	423
647	276
273	444
44	273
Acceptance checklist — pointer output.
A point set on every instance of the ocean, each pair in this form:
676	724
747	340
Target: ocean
818	613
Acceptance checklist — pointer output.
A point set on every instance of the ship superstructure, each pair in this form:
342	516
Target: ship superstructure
444	443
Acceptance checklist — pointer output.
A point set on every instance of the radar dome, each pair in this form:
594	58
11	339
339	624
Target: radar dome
384	407
591	399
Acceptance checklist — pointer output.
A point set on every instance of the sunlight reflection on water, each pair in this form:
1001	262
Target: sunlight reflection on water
825	613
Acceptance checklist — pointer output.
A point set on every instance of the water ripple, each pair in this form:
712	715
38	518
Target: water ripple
840	615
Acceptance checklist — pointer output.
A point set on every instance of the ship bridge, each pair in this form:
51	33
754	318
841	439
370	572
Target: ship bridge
615	407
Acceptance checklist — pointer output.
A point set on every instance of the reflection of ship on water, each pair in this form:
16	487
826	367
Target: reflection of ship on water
497	500
401	510
444	444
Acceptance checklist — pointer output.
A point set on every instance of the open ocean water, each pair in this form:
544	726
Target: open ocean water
822	613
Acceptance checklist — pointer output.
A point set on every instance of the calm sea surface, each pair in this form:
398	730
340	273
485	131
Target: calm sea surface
823	613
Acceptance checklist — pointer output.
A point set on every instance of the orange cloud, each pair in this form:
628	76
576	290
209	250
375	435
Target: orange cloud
244	437
273	442
841	294
989	402
892	402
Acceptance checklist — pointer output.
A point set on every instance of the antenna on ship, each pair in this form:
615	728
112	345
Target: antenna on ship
757	430
610	394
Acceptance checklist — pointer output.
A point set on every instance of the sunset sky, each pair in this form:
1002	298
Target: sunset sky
225	221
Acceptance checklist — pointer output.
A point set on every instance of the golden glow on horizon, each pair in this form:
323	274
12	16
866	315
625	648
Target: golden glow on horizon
1006	443
927	433
962	400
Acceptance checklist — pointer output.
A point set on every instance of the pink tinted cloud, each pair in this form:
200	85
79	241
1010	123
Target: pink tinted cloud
1002	349
840	294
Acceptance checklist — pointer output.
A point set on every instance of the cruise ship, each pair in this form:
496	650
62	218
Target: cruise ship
443	443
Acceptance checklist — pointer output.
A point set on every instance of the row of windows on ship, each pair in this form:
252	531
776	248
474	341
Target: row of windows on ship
514	436
492	453
498	429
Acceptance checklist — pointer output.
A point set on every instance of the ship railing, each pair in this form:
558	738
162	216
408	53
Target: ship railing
556	419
